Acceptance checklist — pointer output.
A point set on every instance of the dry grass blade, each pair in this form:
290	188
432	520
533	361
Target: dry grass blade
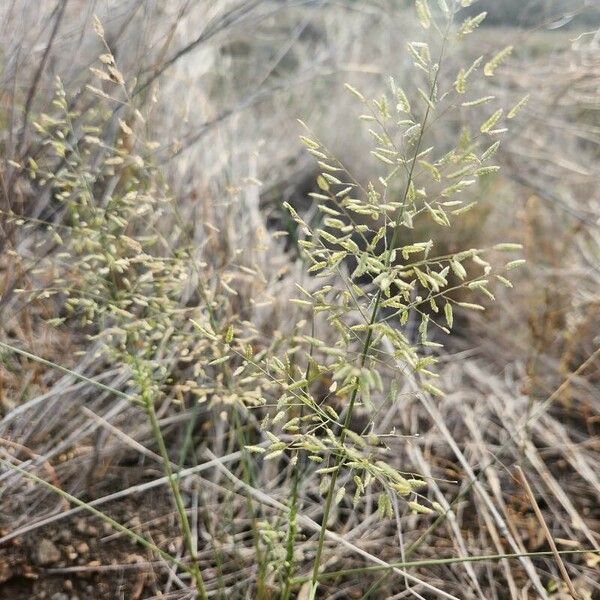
540	516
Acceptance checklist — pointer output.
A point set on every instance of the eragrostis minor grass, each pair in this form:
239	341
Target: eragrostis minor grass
122	279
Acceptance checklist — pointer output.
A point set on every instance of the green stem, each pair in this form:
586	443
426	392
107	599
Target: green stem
291	540
293	516
74	374
340	459
367	344
173	482
249	480
440	562
138	539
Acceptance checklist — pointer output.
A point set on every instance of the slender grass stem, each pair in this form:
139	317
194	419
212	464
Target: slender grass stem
148	403
132	535
48	363
293	516
248	479
291	538
369	337
415	564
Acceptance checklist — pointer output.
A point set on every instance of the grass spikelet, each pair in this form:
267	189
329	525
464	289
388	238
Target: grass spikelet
497	60
471	24
423	13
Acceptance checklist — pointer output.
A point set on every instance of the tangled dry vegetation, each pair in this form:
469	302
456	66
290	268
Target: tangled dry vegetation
156	333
